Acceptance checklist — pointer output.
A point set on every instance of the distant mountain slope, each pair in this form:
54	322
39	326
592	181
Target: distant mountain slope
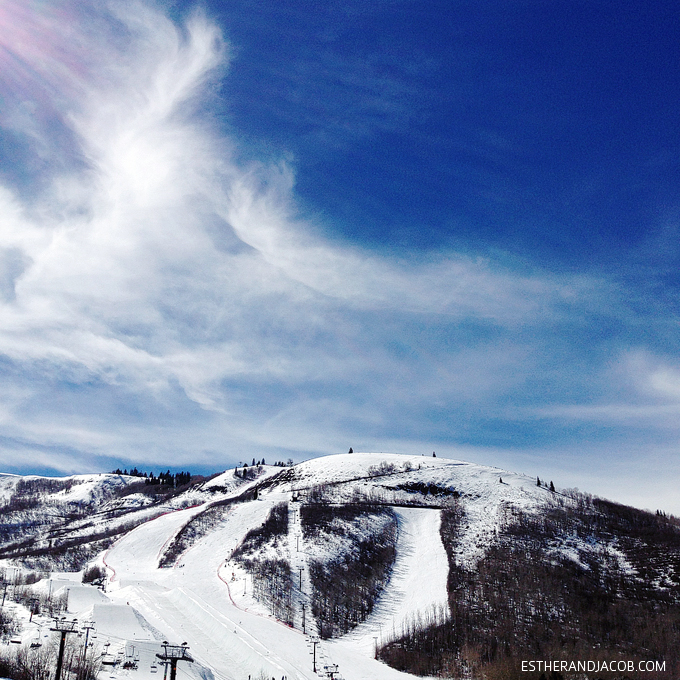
63	522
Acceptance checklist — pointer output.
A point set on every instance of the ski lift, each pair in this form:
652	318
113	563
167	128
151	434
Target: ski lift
131	660
154	668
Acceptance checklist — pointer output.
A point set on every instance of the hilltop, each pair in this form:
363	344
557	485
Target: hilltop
381	565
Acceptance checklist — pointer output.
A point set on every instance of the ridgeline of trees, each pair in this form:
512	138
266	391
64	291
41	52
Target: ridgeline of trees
164	478
242	471
345	589
248	473
197	527
272	578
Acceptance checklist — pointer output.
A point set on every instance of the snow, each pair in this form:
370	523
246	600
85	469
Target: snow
486	499
81	597
140	550
198	602
8	483
82	487
205	599
418	583
118	621
228	482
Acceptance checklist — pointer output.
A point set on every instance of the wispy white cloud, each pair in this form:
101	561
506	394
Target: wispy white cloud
129	277
161	301
641	388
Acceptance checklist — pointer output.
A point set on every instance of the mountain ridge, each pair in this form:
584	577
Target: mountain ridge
389	559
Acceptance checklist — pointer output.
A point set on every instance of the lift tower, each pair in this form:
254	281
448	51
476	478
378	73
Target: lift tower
172	654
65	628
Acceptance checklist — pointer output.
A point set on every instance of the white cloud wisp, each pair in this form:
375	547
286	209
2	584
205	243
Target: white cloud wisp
160	301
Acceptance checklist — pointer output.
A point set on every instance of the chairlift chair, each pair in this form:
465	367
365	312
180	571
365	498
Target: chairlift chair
108	660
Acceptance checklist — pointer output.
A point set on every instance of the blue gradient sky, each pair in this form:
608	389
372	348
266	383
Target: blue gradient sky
280	229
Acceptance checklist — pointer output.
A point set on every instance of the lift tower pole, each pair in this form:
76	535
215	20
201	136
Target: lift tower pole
88	626
315	641
65	628
172	654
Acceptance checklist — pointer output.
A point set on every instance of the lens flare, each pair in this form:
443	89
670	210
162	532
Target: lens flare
41	57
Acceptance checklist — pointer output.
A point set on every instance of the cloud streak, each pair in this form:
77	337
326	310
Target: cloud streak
161	244
160	300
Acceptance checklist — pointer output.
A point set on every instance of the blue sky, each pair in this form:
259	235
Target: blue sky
246	229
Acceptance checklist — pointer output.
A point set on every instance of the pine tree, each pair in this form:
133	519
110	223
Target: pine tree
552	486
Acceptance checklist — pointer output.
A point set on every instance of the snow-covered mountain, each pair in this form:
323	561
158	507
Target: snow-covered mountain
361	565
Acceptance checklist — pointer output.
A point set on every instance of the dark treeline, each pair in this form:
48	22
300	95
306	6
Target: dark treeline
163	478
526	600
272	578
318	517
94	575
197	527
344	590
273	528
43	485
273	584
426	488
243	471
248	473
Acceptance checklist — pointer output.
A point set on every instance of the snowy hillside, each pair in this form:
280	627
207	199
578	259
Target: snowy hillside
315	569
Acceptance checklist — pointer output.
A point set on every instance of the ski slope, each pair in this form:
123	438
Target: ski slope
205	598
418	583
202	600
